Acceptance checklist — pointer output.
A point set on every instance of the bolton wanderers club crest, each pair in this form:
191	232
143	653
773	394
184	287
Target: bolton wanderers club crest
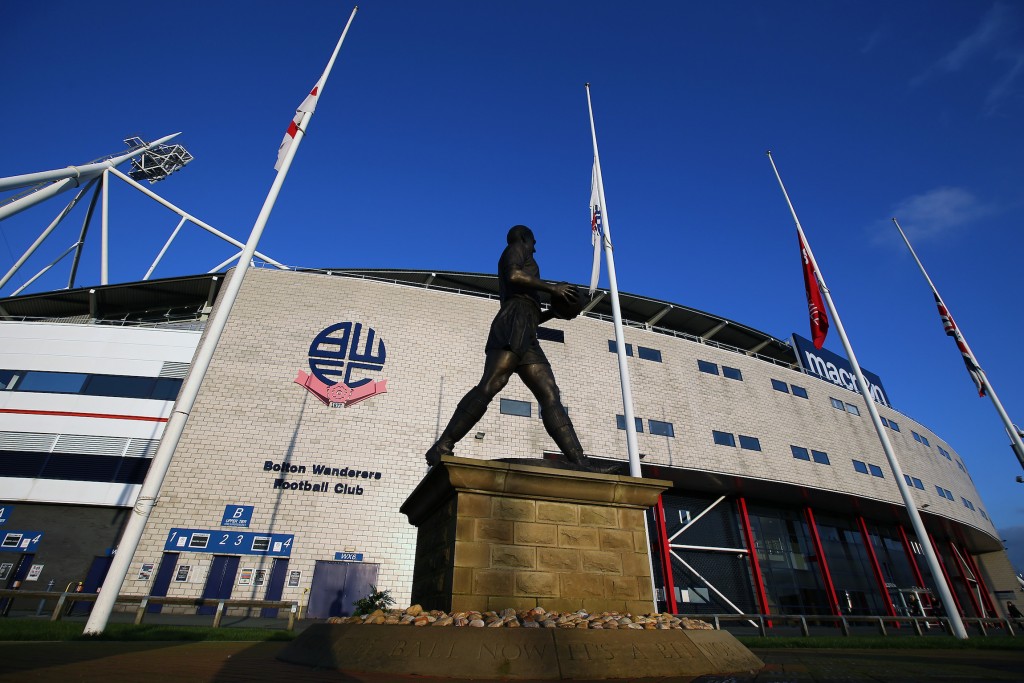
340	357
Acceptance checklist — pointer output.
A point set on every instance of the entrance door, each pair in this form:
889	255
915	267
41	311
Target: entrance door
275	586
163	580
16	578
336	585
220	581
93	581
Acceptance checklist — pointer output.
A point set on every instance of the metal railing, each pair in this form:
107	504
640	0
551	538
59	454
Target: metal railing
66	601
766	623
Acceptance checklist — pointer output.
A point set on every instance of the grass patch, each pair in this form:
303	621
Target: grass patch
975	642
26	630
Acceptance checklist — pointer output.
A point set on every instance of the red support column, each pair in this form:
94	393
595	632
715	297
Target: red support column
918	576
986	596
819	551
666	557
875	567
755	566
945	575
967	582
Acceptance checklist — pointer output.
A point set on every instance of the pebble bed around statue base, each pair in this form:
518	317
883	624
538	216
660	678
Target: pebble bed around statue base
531	654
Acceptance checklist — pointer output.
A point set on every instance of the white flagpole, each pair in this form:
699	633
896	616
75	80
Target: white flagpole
620	342
956	624
989	390
186	399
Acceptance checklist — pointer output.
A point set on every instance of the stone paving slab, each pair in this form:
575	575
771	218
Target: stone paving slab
120	662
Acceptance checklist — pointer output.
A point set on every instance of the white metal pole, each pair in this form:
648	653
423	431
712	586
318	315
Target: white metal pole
620	343
989	389
945	596
181	212
72	176
46	233
41	272
104	226
222	264
186	399
164	250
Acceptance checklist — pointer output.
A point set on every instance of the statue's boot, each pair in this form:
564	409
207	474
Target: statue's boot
561	431
467	413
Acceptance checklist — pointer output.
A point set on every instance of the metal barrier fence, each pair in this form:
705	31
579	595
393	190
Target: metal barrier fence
65	601
764	623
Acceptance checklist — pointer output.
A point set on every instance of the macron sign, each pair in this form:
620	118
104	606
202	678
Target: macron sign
835	369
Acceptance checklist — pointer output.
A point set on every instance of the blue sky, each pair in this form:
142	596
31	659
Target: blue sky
445	122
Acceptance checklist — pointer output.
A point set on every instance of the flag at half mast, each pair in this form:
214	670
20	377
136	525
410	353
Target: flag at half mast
308	105
596	229
815	304
948	324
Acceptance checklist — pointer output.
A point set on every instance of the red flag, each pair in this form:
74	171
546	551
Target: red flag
308	105
953	331
815	304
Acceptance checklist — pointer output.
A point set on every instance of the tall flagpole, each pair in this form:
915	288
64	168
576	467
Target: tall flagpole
620	342
186	399
989	390
956	624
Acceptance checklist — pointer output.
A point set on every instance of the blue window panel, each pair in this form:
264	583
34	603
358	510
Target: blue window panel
876	471
863	469
732	373
820	457
800	453
852	409
982	511
705	366
895	425
917	437
949	494
799	392
9	379
779	385
924	440
620	422
513	407
837	404
910	482
939	489
917	483
884	421
750	443
648	354
53	382
613	347
723	438
659	428
551	334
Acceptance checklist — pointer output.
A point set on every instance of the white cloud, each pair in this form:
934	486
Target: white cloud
933	215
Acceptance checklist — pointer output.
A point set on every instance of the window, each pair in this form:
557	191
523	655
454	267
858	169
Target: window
659	428
820	457
967	504
549	334
917	483
8	378
799	392
116	386
860	467
906	477
620	422
732	373
800	453
944	493
924	440
961	466
723	438
852	409
884	421
982	512
837	404
750	443
613	347
705	366
876	471
53	382
512	407
648	354
917	437
943	452
779	385
894	425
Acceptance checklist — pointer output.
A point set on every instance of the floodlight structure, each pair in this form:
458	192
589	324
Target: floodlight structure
157	162
152	161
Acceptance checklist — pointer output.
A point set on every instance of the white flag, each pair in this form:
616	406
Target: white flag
308	105
596	232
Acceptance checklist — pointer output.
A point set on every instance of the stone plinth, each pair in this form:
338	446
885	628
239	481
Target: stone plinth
493	535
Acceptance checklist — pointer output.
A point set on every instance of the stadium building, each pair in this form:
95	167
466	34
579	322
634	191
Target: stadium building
782	501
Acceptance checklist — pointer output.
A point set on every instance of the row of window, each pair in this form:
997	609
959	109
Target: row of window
848	407
801	453
914	481
891	424
868	468
779	385
655	427
712	369
748	443
642	352
119	386
944	493
922	439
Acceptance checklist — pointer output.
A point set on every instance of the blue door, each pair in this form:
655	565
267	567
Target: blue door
93	580
276	585
220	581
337	585
163	579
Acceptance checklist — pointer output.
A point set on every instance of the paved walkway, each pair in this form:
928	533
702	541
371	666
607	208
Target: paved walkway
124	662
